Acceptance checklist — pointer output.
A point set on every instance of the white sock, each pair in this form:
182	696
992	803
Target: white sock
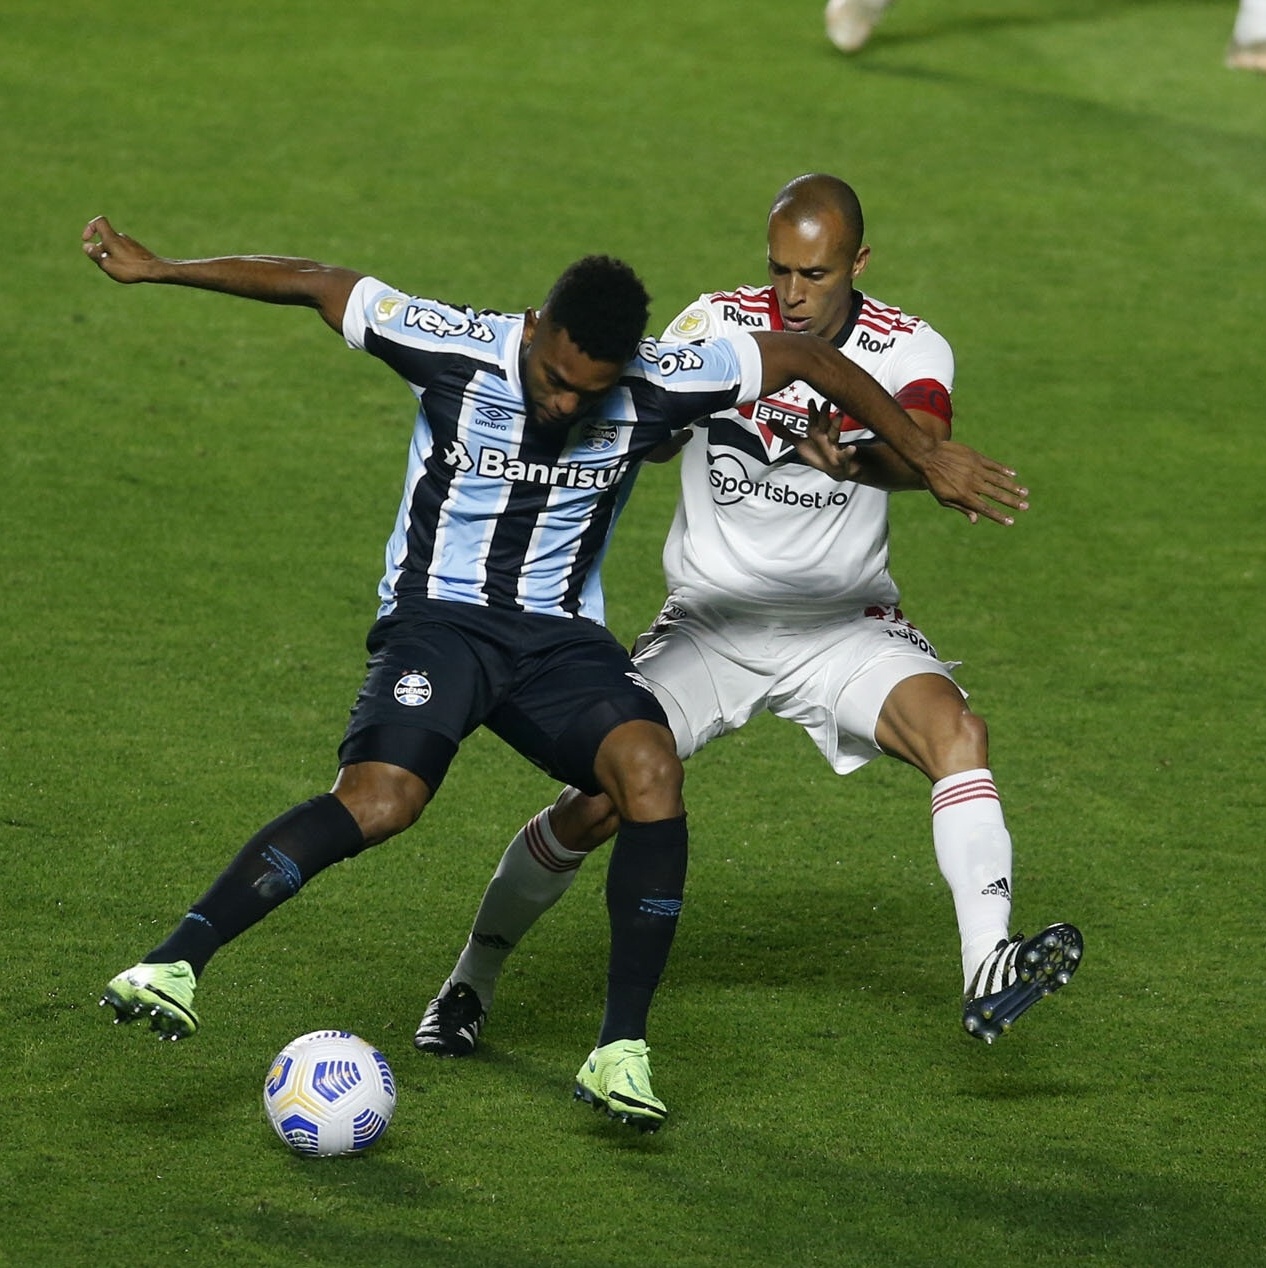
973	850
532	876
1250	22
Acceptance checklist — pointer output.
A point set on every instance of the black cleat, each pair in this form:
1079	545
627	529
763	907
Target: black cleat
452	1022
1015	975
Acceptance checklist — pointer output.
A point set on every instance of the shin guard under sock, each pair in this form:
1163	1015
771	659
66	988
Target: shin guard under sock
270	867
645	882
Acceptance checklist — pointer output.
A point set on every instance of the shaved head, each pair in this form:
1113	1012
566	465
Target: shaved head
816	196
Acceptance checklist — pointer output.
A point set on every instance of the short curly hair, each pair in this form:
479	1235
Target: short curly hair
602	305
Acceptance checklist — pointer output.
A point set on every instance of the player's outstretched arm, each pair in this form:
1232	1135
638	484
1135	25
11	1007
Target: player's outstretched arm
272	279
956	475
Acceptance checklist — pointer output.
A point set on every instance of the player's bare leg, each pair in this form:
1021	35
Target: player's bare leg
926	722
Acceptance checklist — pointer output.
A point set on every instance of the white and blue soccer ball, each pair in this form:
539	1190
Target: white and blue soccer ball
329	1092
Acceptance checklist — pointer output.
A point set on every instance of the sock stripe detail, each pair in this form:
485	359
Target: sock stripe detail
539	848
973	790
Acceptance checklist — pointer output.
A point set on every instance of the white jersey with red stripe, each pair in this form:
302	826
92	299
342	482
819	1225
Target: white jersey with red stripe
756	529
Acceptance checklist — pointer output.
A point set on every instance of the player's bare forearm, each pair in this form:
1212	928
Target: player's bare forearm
270	279
786	358
956	475
878	466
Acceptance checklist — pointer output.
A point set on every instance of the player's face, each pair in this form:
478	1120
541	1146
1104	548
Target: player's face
812	264
560	383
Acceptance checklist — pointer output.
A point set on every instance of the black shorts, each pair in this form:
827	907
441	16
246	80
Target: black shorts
553	688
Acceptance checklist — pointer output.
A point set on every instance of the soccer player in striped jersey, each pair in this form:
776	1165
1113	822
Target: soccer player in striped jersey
528	430
780	599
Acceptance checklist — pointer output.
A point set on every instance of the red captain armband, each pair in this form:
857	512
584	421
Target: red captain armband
928	396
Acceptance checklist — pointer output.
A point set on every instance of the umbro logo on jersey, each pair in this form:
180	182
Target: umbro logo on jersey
494	416
998	888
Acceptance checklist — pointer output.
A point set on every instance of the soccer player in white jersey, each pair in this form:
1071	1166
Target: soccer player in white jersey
528	429
780	598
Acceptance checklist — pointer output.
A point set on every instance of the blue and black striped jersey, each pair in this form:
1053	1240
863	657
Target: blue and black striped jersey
500	513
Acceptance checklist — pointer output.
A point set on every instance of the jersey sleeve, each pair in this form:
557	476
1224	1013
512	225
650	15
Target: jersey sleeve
678	383
924	355
751	365
695	322
419	337
370	299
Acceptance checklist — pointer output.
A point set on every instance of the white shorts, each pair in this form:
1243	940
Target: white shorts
713	673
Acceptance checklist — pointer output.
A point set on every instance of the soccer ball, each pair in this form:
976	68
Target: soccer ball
329	1092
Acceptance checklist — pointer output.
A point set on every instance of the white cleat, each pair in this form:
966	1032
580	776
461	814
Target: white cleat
850	22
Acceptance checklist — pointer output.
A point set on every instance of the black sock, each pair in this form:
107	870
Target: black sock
645	882
268	869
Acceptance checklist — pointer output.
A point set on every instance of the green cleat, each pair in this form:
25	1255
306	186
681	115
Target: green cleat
161	992
617	1078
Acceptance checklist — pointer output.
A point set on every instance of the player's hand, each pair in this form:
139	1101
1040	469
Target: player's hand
966	481
115	254
820	445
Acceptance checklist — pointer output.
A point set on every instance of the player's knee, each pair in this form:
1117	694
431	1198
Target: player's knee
583	823
639	768
384	800
963	746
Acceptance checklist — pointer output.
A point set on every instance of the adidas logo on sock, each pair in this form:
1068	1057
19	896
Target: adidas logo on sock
494	941
999	888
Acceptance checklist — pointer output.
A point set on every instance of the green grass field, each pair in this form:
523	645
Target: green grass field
195	496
